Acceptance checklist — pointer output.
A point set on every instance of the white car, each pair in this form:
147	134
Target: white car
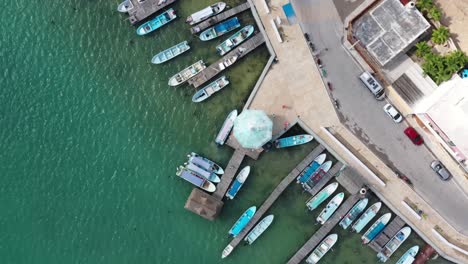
393	113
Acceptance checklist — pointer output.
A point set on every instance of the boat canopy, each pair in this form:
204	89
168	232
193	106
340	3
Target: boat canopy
208	11
198	181
198	170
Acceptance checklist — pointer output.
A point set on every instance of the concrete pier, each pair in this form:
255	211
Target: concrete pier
144	9
220	17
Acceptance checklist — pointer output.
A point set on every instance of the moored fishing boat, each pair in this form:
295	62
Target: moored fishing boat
226	128
235	40
293	141
322	249
157	22
187	73
366	217
307	172
409	256
170	53
354	213
125	6
205	163
220	29
196	180
238	182
226	251
242	221
205	13
259	229
320	197
317	175
394	243
376	228
228	62
331	207
210	89
209	175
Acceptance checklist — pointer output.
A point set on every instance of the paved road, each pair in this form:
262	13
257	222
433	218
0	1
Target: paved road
366	119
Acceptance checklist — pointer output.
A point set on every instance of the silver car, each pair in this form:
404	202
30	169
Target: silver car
443	173
393	113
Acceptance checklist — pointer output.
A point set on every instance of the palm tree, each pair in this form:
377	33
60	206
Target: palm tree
422	48
456	60
424	5
440	35
434	13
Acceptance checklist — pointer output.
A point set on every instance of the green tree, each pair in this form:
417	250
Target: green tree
424	5
422	48
440	35
434	13
456	60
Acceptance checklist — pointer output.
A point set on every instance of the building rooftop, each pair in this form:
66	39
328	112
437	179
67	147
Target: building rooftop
203	204
388	29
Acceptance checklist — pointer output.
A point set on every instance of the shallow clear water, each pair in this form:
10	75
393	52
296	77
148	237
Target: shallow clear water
91	136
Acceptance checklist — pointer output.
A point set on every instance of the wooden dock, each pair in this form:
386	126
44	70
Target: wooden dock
220	17
351	180
318	236
229	173
325	179
390	230
144	9
277	192
214	69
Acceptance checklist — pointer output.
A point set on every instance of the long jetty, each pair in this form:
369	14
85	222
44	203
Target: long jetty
142	10
231	169
379	242
220	17
214	69
318	236
276	193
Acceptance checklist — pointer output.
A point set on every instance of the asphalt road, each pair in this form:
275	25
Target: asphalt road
364	115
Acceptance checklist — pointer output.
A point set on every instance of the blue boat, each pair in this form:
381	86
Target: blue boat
393	244
293	141
305	175
157	22
242	221
376	228
317	175
366	217
220	29
354	213
238	182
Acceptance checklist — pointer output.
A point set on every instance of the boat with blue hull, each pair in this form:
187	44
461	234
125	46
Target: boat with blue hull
394	243
307	172
238	183
357	209
205	163
196	180
376	228
259	229
170	53
226	128
366	217
207	91
206	13
235	40
317	175
331	207
242	221
408	257
322	249
209	175
320	197
220	29
157	22
293	141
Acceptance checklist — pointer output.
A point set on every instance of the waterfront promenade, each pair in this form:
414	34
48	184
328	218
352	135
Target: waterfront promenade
293	89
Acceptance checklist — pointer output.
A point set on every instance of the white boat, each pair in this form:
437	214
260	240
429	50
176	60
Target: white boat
125	6
205	13
259	229
209	175
210	89
227	250
205	163
322	249
331	207
238	182
320	197
228	62
354	213
170	53
226	128
196	180
366	217
317	175
376	228
187	73
307	172
394	243
408	257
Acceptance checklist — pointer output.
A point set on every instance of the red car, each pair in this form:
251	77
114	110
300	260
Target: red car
414	136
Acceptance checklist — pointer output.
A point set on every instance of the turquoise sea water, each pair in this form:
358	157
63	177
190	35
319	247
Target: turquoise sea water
91	135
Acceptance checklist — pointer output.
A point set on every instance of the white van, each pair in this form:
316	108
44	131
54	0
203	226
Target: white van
372	84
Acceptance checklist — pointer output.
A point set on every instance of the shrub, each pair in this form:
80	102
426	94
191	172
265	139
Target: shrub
422	49
440	35
434	13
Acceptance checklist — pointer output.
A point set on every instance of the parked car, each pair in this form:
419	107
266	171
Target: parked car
414	136
393	113
440	169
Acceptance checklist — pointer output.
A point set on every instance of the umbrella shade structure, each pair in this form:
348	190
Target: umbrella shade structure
253	128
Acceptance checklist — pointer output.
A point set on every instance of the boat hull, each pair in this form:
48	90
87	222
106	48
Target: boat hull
187	73
394	243
209	175
409	255
235	40
196	180
157	22
226	128
205	13
354	213
238	183
317	175
242	221
293	141
305	175
322	249
170	53
320	197
212	88
365	218
331	207
258	230
376	228
220	29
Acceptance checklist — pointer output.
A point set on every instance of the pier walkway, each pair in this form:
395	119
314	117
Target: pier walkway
318	236
220	17
231	169
214	69
144	9
379	242
277	192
